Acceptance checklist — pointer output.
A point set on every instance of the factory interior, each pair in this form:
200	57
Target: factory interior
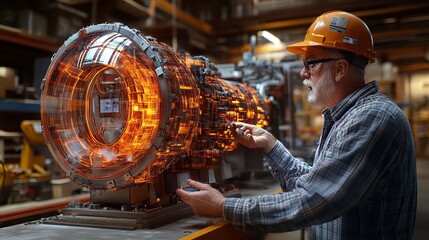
200	65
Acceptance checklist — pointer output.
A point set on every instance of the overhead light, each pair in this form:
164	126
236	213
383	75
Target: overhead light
270	37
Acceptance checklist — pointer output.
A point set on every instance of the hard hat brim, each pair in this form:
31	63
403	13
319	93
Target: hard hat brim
300	48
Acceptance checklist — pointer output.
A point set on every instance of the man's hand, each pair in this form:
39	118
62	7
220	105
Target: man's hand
206	201
252	136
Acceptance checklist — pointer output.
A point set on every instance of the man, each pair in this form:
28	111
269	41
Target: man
362	184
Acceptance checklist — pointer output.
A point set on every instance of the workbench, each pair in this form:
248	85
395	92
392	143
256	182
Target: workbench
193	227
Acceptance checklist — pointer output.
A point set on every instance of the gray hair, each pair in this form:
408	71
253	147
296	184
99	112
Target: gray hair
357	63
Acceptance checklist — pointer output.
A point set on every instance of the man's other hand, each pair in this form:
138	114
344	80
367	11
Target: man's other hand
203	199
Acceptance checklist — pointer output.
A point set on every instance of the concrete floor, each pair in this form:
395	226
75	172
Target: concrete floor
422	220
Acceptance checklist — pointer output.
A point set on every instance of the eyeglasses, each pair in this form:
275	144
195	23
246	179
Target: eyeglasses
308	63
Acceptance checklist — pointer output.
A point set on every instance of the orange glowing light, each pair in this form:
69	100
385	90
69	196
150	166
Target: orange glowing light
119	108
106	106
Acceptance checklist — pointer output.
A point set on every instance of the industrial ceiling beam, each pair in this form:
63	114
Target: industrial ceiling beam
313	8
185	17
414	67
299	22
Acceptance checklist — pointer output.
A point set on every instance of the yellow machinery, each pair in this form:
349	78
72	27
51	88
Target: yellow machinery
7	175
6	180
30	176
32	161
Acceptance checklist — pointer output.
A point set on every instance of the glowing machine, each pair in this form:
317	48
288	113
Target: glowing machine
131	119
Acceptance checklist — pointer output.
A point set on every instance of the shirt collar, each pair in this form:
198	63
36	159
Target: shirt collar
344	105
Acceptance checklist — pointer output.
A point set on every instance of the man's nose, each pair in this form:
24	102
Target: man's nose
304	73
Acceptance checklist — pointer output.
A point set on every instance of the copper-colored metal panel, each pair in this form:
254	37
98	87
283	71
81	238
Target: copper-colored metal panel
118	108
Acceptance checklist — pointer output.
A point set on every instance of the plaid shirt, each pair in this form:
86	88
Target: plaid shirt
362	184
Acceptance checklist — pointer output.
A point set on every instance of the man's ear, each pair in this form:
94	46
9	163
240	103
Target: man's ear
341	68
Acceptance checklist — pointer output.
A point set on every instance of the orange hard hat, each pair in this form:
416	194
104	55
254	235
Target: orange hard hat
338	30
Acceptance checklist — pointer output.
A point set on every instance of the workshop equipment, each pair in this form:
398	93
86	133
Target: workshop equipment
131	119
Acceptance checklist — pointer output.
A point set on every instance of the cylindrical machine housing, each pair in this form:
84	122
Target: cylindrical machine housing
118	108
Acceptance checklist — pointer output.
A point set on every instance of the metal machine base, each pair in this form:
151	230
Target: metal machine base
116	219
77	215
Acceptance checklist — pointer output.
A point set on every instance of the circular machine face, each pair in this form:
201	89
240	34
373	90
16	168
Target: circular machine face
117	107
